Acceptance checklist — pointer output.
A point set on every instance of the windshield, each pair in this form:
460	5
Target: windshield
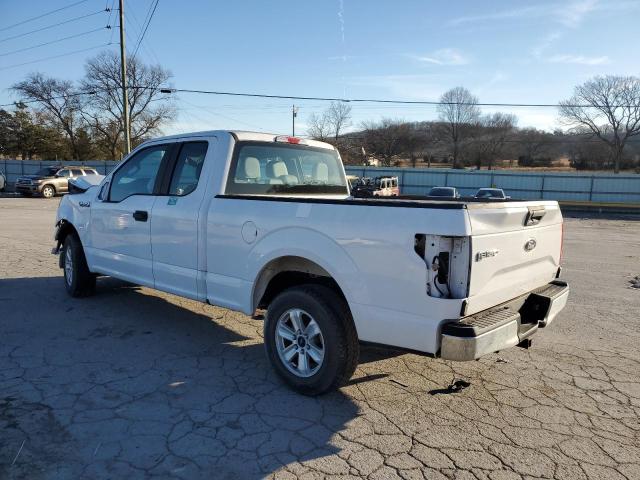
47	171
442	192
266	168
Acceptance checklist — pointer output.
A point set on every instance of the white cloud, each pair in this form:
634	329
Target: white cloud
569	14
545	43
444	56
573	14
578	59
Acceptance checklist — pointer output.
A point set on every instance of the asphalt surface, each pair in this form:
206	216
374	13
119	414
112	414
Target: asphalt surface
132	383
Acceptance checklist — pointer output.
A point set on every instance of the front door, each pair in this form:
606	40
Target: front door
174	224
119	230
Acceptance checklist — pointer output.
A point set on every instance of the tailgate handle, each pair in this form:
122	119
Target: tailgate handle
534	215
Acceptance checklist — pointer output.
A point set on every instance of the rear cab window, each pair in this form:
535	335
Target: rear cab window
188	168
269	168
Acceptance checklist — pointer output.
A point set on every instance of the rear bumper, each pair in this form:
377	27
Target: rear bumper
503	326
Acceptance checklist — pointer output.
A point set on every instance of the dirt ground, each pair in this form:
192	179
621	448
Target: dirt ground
132	383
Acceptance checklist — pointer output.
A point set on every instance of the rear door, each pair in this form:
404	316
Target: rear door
175	219
515	247
119	230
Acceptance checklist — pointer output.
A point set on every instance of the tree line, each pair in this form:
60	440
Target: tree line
601	120
83	120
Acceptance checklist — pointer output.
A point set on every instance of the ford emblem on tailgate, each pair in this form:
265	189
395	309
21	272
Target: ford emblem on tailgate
530	245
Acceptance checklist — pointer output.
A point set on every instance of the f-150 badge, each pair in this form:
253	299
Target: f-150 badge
486	254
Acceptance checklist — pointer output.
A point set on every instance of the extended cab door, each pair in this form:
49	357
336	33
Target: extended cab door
175	221
119	230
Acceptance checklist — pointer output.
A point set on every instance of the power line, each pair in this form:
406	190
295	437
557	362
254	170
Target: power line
55	41
364	100
385	101
145	29
53	25
51	58
43	15
138	27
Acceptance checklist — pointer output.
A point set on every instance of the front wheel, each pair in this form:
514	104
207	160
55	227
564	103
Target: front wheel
48	191
78	280
310	339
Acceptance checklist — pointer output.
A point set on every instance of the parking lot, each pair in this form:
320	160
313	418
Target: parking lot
132	383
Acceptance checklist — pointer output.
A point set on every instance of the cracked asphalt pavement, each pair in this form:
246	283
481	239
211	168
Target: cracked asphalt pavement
133	383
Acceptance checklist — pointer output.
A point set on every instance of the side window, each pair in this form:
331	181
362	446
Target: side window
138	175
188	167
63	173
76	172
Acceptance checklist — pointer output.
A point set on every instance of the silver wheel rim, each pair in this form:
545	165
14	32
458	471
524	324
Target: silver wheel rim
68	265
47	192
299	342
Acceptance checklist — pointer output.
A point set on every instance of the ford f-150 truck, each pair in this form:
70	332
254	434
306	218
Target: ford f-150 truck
253	221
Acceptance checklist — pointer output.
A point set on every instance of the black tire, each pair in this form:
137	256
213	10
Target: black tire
340	339
78	280
48	191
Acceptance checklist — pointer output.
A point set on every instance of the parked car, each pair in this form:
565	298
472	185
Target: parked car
3	181
50	181
376	187
496	193
253	221
445	192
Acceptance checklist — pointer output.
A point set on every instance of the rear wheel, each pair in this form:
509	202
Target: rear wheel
48	191
78	280
310	339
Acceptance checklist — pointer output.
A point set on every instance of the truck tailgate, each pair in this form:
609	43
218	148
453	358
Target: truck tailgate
515	248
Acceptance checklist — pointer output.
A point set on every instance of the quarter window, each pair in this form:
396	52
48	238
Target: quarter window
188	167
138	175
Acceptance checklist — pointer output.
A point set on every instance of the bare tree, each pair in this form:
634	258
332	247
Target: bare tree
330	123
339	118
608	108
458	111
493	132
386	139
533	143
59	102
318	126
149	109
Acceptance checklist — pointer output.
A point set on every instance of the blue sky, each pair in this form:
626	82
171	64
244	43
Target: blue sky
503	51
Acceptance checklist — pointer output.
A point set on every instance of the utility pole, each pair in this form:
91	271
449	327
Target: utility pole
125	97
294	114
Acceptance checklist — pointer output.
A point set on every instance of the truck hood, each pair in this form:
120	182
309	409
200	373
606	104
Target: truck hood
32	177
82	184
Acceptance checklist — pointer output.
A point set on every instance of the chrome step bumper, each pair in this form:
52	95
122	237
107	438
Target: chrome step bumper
503	326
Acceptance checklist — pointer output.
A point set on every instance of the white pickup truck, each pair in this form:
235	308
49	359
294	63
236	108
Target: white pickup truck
253	221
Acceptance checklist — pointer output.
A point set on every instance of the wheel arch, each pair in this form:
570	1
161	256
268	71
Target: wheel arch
64	229
286	271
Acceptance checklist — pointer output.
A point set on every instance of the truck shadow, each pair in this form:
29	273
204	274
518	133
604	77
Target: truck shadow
132	379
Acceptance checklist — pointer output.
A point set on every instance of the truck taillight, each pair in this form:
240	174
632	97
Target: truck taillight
288	139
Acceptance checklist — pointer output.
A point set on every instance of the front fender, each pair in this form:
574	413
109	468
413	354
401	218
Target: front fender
314	246
76	210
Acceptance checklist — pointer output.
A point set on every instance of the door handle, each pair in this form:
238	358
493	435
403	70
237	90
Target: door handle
140	216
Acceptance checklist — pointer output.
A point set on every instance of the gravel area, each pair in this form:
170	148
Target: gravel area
133	383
